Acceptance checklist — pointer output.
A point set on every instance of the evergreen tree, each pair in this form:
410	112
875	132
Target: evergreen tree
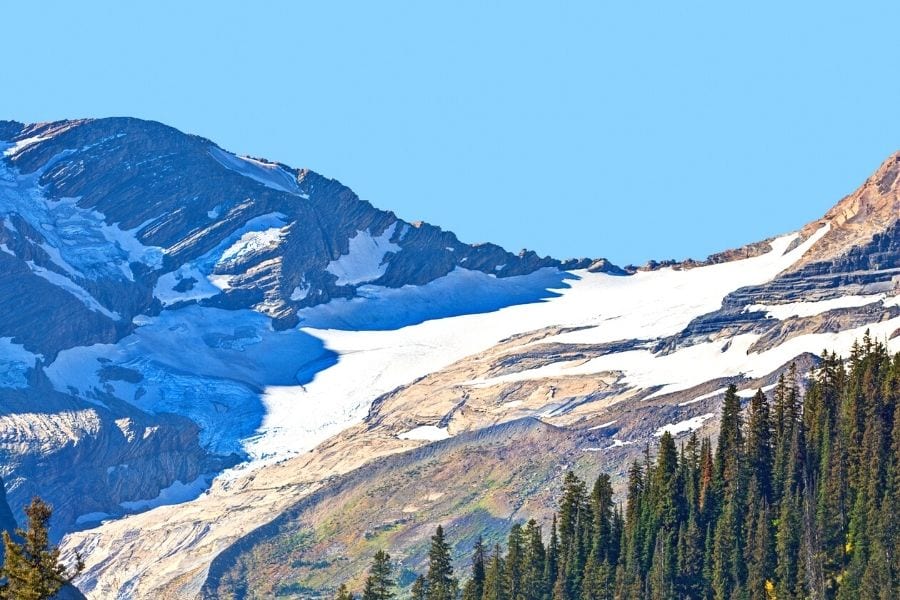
551	563
419	590
532	585
344	594
495	577
759	445
475	585
32	569
800	501
441	583
379	584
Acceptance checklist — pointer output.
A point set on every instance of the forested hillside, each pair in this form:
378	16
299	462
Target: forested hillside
800	498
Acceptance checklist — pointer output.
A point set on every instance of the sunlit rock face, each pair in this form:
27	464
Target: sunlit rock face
204	341
150	284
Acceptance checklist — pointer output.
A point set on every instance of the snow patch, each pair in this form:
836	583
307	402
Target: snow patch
250	243
22	144
365	260
300	292
617	443
185	284
74	289
270	175
809	309
92	517
428	433
15	361
78	240
176	493
684	426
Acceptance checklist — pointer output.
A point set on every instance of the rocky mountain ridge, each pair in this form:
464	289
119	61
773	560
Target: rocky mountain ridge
109	223
208	339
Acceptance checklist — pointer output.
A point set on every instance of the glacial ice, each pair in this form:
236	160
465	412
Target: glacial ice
268	174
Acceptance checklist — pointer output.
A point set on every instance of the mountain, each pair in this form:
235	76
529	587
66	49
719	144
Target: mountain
228	350
131	250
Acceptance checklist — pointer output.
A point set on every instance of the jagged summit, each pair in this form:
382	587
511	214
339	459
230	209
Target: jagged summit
867	217
870	211
172	219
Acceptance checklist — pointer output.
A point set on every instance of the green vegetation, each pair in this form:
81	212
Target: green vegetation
32	569
800	499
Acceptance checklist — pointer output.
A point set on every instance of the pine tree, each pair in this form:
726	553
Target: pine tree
759	445
495	577
419	590
475	585
379	584
800	502
32	569
441	583
533	563
551	563
344	594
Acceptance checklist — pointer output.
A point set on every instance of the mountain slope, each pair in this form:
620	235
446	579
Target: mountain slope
212	338
129	250
614	359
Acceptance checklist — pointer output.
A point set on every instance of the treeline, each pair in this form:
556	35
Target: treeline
800	499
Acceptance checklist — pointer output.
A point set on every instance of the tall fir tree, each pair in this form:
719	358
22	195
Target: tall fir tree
32	569
441	583
380	583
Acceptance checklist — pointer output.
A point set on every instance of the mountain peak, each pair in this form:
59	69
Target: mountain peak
873	209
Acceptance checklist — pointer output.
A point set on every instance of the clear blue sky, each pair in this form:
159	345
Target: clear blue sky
631	130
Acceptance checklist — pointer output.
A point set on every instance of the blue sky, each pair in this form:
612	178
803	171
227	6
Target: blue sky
631	130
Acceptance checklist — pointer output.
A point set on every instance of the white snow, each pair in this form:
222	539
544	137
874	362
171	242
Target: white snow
684	426
750	392
428	433
277	394
201	288
78	240
617	443
73	288
252	242
15	361
809	309
22	144
270	175
92	517
176	493
257	234
300	292
205	363
365	260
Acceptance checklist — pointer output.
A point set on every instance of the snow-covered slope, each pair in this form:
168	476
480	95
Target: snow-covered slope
150	276
431	383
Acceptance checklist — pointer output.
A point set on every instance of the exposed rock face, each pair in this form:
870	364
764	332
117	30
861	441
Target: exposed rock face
858	220
168	309
109	225
173	219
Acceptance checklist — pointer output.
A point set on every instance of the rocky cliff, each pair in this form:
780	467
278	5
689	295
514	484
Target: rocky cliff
115	233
